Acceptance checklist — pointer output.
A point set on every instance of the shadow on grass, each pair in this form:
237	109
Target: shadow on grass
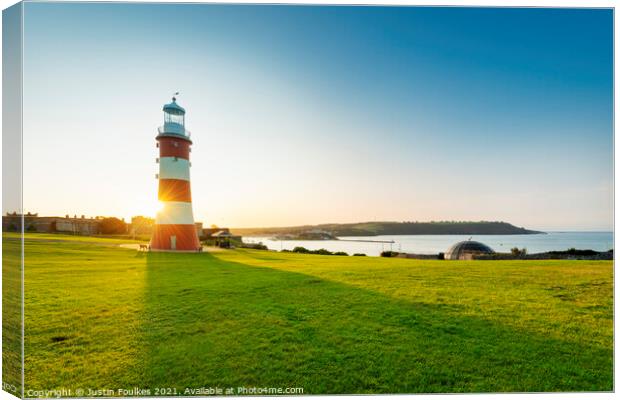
210	322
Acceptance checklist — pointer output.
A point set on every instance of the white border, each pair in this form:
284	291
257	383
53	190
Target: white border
479	3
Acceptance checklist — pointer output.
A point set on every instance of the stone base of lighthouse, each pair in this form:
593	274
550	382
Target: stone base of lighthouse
175	238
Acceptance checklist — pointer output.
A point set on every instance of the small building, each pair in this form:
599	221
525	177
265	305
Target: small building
208	232
467	250
221	237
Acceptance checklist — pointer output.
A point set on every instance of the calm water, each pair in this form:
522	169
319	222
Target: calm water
433	244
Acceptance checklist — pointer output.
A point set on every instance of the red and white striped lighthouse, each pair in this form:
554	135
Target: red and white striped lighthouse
174	225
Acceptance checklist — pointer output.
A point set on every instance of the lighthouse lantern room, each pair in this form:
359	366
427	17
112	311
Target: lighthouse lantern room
174	118
174	225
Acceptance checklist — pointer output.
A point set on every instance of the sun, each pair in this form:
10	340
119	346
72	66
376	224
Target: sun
155	208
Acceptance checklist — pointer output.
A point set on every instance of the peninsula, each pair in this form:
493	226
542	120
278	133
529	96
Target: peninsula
394	228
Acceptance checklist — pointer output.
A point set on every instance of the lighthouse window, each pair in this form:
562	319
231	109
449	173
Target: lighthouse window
176	144
174	118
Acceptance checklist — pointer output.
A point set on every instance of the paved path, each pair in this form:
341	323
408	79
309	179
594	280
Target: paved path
208	249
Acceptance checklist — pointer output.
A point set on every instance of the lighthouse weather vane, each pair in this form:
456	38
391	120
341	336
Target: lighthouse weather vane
174	96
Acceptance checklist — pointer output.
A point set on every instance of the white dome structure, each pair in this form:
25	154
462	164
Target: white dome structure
466	250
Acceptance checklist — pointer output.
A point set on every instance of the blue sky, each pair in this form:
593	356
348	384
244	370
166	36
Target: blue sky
324	114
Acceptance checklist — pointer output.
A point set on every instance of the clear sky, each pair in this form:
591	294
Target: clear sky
324	114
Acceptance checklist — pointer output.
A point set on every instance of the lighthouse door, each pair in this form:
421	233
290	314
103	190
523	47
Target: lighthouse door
173	242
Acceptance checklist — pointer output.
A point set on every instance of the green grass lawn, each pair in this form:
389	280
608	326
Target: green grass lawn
103	317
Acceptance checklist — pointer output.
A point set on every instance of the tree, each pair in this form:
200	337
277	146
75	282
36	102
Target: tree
142	225
111	226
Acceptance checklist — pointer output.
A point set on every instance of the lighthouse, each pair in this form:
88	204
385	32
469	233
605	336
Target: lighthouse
174	224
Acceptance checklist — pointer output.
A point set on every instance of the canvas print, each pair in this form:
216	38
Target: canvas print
234	199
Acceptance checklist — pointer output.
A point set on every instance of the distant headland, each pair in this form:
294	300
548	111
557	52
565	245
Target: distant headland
330	231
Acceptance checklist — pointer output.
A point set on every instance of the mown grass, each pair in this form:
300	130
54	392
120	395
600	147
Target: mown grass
11	315
99	316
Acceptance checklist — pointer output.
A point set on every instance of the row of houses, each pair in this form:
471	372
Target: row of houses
82	225
11	222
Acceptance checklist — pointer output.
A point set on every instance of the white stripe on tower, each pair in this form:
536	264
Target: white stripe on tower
175	213
173	168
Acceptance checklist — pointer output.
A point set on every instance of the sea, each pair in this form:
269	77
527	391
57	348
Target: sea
434	244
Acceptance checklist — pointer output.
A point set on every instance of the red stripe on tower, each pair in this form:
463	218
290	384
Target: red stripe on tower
169	148
174	190
174	225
